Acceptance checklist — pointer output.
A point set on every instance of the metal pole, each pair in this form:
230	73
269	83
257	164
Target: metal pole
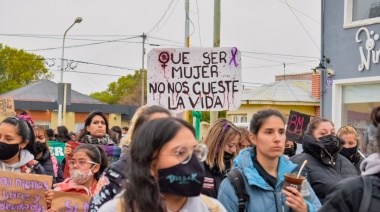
142	70
323	71
214	114
185	114
61	78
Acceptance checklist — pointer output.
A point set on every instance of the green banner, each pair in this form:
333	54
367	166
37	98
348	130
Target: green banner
57	149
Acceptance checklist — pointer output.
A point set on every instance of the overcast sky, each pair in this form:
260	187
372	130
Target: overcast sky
269	33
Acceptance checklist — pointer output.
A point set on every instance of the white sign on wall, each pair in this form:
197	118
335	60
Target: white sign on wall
195	78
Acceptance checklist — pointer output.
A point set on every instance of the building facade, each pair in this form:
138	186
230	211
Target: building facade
351	57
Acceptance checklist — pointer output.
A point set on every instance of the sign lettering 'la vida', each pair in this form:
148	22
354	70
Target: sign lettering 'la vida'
204	79
372	54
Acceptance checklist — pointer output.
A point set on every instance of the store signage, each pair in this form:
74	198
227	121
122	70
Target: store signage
329	82
370	54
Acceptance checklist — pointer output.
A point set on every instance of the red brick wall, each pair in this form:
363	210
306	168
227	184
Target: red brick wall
316	91
302	76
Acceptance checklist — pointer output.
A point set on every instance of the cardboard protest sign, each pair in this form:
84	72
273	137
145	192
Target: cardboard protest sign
57	149
113	153
296	127
7	107
23	192
68	201
203	79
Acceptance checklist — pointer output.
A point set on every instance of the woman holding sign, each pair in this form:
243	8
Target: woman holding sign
325	167
166	173
86	166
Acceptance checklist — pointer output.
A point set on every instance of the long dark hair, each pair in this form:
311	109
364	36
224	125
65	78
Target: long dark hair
63	134
96	154
25	130
143	192
375	119
88	123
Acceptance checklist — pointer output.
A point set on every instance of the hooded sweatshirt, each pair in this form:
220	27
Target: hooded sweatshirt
25	157
371	165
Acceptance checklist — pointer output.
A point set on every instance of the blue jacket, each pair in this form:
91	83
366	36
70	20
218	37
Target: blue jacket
262	197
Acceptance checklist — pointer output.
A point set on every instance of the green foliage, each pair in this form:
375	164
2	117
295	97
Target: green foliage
206	115
118	91
19	68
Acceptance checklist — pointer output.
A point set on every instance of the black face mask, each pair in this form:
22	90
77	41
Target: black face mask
348	152
227	156
8	150
289	151
40	147
331	143
184	180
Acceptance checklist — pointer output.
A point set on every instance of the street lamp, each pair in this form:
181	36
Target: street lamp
77	20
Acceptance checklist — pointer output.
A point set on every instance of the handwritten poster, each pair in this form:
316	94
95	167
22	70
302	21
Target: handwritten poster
204	79
113	153
68	201
23	192
297	124
7	107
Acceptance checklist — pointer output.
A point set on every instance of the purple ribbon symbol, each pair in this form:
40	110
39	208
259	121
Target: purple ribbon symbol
233	52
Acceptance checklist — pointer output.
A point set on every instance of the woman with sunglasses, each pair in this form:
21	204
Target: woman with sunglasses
222	142
86	165
166	173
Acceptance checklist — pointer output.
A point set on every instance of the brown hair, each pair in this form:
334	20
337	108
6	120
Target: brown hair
222	132
349	130
314	123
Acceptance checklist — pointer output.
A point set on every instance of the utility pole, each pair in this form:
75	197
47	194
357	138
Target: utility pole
214	114
185	114
142	70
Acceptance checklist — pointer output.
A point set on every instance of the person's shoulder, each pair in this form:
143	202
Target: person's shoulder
350	184
110	205
204	203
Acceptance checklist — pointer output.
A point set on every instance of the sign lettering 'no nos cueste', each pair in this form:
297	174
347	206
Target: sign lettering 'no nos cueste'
204	79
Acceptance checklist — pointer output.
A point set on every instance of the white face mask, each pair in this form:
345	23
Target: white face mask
80	177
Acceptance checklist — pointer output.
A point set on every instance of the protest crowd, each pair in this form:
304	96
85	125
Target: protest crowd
156	164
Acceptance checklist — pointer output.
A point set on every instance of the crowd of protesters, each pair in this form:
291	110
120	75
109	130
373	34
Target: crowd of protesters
162	167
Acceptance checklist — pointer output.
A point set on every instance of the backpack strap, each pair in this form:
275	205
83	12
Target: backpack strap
367	193
236	179
213	207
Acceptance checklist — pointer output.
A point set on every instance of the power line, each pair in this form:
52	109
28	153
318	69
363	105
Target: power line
82	45
301	12
199	25
302	26
285	55
279	64
156	25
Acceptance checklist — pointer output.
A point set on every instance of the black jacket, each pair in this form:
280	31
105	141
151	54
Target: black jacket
47	164
347	195
213	178
323	171
356	161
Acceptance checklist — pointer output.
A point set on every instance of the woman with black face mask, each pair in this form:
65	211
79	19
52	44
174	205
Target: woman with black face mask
17	151
325	166
350	148
290	148
222	141
166	173
50	163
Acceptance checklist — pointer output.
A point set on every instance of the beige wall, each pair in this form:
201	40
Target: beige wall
249	110
114	120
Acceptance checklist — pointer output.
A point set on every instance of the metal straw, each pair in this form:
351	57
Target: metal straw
303	165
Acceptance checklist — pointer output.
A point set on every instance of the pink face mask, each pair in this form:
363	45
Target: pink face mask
80	177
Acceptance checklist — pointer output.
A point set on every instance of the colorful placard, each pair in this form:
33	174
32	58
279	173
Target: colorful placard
23	192
203	79
297	125
57	149
68	201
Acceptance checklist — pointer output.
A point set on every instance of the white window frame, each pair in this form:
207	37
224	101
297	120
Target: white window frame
337	95
348	23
